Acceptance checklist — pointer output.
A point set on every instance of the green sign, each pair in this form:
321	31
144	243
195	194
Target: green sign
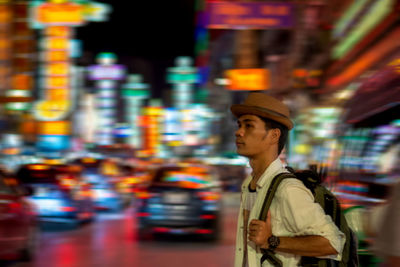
135	93
176	77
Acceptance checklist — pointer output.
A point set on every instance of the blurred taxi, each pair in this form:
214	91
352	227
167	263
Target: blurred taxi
59	192
180	199
18	220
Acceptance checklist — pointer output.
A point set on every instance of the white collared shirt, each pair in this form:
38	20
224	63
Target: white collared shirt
293	213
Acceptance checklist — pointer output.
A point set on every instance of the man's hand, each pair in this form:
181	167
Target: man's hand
260	231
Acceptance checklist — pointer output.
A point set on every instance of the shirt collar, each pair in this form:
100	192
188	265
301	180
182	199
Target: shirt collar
273	169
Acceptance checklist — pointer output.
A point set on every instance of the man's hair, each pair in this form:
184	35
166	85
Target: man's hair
270	124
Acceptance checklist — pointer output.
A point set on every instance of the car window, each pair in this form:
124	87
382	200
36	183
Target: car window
48	191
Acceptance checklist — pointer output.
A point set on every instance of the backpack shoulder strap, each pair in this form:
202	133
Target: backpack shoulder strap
271	193
267	254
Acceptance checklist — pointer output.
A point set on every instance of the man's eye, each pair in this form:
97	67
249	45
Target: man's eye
249	125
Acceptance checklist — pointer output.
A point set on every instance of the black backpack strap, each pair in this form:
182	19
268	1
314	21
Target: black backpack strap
268	254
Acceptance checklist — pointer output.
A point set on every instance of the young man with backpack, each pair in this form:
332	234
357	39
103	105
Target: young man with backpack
296	225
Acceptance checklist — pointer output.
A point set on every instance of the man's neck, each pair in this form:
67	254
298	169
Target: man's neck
259	165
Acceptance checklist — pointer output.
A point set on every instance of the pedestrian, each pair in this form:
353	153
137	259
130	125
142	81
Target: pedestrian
296	226
387	237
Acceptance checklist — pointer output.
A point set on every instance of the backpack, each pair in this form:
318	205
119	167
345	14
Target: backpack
329	203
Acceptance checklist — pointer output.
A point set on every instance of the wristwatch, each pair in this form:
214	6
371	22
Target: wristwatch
273	242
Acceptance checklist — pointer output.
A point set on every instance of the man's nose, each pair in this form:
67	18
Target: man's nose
239	132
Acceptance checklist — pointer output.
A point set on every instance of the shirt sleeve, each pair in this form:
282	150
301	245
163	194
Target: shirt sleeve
305	217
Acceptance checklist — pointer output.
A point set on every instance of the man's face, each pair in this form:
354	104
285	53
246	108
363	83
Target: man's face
252	138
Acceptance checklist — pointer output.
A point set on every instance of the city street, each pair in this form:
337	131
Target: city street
111	241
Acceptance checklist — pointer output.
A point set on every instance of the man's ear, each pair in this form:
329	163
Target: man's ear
275	134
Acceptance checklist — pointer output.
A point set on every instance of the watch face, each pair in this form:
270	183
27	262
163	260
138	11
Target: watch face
273	241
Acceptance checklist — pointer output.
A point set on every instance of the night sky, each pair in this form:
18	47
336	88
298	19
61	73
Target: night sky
145	35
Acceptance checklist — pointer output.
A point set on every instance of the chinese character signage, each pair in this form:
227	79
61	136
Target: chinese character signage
249	15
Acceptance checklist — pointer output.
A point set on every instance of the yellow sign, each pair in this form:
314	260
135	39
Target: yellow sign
57	94
57	82
58	68
58	31
248	79
57	56
57	43
54	127
65	14
51	110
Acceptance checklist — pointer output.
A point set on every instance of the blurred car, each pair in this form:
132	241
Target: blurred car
180	199
105	195
59	193
18	220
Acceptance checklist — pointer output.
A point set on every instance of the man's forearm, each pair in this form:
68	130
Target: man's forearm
311	246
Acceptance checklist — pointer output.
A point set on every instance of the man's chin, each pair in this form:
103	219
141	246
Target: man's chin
241	152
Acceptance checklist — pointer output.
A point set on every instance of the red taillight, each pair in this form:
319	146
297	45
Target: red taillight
203	231
143	195
161	229
68	209
14	207
208	216
208	196
143	214
146	194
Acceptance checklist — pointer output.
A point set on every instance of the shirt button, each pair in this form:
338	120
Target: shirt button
240	249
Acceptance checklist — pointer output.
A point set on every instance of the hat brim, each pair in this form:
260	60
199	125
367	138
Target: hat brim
239	110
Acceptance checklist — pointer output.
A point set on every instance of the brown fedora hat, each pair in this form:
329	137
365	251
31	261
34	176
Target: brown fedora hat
266	106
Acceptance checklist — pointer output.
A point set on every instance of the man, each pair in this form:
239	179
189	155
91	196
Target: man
387	236
296	226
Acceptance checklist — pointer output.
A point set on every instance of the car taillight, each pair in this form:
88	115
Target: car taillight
14	207
143	214
207	216
208	196
145	195
68	209
203	231
161	229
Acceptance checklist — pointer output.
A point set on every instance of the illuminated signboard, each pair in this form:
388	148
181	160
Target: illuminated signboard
248	79
51	110
57	82
378	11
58	31
251	15
57	43
113	72
22	81
58	68
60	14
53	142
56	56
56	94
54	127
